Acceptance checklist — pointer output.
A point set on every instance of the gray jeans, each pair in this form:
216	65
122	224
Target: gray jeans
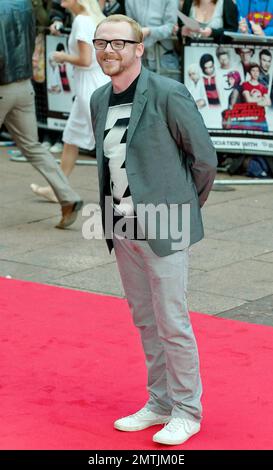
156	290
17	112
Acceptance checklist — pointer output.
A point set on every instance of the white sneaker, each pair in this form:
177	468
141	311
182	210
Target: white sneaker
46	144
177	431
57	147
142	419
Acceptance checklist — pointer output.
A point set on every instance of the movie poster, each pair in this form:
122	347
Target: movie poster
232	87
60	85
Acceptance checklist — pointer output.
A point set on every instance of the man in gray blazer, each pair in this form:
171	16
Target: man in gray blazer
156	165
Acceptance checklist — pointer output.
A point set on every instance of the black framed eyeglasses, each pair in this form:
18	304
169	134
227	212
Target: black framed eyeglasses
116	44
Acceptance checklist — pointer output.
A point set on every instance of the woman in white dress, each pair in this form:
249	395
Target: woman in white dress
88	76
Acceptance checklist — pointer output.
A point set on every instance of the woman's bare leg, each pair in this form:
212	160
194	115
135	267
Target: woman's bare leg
68	160
69	157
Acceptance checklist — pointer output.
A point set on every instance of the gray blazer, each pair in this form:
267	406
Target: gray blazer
170	158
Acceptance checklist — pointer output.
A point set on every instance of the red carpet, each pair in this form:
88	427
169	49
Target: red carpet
71	363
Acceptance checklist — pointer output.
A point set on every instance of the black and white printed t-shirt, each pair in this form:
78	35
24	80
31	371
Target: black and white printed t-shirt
115	138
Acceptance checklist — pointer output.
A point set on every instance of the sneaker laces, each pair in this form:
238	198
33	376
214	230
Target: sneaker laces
175	424
141	413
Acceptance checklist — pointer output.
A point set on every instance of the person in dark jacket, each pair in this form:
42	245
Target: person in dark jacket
214	17
59	17
50	12
17	110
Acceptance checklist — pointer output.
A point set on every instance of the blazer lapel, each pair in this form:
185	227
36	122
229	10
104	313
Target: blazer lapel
139	103
103	172
101	120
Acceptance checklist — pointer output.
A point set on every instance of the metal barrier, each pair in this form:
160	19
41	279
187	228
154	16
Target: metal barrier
41	101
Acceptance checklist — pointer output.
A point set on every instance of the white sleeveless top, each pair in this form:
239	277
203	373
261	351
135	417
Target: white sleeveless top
216	20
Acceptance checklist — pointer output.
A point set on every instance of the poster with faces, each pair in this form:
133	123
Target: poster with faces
59	82
232	86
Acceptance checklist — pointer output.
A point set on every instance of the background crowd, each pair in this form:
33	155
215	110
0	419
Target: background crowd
164	34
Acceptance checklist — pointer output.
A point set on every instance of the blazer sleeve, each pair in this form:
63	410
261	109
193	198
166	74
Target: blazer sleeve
94	108
188	129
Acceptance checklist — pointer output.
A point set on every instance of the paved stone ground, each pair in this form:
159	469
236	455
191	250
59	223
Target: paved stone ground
231	272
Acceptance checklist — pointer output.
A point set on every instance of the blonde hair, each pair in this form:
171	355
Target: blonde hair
93	9
194	68
124	19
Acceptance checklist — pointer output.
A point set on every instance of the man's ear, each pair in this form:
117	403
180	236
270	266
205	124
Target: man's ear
140	50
